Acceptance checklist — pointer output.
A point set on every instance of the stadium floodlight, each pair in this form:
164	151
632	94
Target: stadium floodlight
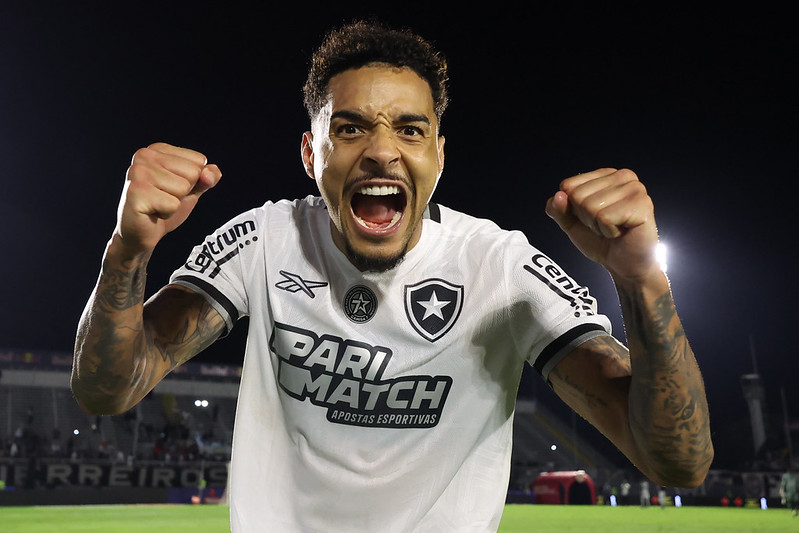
660	254
554	447
76	431
200	403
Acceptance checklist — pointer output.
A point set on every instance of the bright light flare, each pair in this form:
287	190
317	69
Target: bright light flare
660	254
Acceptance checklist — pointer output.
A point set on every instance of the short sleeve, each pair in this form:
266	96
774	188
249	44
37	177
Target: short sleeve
217	267
551	314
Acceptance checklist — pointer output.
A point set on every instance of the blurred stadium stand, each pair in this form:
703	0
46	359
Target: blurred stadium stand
160	450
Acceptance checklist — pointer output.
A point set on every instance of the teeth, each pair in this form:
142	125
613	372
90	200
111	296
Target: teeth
379	190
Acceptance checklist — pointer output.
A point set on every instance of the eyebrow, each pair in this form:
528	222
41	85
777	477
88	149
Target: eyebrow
359	117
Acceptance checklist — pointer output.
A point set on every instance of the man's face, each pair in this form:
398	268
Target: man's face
376	156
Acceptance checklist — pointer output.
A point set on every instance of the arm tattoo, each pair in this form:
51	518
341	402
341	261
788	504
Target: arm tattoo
613	359
194	335
121	289
668	407
123	350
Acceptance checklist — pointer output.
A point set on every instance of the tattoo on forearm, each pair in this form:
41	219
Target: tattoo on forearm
194	335
668	404
119	289
122	352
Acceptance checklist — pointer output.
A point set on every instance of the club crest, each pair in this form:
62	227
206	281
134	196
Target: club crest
433	307
360	304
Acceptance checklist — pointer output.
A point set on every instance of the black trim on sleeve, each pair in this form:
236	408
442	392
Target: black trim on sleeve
561	342
214	293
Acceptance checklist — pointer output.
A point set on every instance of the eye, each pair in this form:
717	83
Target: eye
348	129
411	131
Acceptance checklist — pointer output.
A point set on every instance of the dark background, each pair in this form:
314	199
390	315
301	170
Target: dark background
699	102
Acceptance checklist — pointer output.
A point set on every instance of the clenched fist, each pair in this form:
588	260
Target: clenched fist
163	185
609	216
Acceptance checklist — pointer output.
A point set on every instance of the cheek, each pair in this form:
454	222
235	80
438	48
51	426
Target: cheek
427	173
321	160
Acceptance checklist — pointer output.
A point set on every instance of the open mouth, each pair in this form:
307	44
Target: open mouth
378	208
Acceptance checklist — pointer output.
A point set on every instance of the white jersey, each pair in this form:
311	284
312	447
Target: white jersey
381	402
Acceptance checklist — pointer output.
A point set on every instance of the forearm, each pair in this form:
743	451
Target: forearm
668	411
109	373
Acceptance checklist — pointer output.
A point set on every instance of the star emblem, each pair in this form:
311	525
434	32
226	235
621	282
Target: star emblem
359	305
432	298
433	306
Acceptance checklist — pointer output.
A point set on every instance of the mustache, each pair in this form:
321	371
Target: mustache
369	176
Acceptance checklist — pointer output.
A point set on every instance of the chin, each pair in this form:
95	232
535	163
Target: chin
375	263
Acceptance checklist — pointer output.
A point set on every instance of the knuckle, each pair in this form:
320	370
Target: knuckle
171	204
627	174
567	184
604	218
637	188
138	171
142	154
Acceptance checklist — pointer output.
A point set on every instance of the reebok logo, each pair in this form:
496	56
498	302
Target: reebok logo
294	283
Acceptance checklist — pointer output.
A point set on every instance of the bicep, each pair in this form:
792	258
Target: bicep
594	380
179	323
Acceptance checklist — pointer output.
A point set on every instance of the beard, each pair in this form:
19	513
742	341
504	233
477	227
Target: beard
366	263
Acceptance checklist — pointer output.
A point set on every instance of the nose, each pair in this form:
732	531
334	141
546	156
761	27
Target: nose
381	149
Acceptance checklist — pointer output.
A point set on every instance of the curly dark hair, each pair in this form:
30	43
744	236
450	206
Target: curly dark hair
363	42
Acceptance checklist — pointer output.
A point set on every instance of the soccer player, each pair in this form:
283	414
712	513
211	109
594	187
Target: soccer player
789	491
387	333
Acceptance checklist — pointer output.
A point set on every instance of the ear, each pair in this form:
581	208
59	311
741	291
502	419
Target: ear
306	152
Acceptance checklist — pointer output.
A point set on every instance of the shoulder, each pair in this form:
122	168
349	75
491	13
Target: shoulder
474	232
279	213
458	221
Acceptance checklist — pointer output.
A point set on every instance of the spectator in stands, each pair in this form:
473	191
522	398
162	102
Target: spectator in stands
645	496
789	490
579	491
662	496
625	492
372	307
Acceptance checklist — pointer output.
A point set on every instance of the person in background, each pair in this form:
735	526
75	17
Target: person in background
789	491
644	495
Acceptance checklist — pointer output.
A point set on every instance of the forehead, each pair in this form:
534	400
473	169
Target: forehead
374	90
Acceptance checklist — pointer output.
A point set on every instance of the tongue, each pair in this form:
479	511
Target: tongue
374	209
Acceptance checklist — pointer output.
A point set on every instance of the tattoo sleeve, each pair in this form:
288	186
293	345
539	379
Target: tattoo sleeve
668	409
124	347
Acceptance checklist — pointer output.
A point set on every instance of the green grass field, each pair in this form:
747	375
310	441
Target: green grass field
517	519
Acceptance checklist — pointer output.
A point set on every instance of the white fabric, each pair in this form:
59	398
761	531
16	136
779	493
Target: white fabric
398	423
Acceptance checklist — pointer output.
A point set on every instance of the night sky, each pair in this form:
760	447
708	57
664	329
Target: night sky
701	104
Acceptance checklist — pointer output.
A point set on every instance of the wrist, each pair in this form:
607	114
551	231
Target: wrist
121	252
653	282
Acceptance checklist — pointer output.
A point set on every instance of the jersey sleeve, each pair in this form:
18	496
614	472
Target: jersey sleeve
551	314
217	268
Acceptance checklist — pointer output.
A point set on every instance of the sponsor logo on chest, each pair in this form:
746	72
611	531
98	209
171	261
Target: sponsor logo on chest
345	377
